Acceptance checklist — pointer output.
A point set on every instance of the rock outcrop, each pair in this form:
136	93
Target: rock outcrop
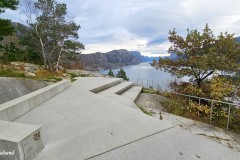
112	59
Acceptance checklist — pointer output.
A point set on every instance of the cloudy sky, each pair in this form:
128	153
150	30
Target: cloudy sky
143	25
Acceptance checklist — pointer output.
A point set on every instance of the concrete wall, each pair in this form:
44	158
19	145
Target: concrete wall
11	110
12	88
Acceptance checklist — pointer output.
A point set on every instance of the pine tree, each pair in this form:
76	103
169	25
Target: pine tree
110	73
122	74
200	55
6	27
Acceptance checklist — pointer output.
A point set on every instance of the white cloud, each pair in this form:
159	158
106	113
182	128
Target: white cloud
143	25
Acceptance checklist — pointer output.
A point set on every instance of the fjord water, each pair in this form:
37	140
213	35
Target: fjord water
145	71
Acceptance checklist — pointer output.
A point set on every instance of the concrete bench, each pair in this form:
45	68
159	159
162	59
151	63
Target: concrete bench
19	141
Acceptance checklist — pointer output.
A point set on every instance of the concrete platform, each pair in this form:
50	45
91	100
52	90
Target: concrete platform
79	124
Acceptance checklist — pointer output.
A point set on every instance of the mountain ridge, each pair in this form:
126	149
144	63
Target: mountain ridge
112	59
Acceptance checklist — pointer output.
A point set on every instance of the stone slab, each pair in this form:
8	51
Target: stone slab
19	141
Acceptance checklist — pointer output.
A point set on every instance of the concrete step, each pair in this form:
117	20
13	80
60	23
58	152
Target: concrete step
117	99
117	89
132	93
105	84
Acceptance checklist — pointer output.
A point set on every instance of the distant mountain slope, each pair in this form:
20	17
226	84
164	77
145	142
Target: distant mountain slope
112	59
16	36
237	39
149	59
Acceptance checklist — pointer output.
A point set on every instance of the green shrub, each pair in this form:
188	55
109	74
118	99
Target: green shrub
53	78
150	91
10	73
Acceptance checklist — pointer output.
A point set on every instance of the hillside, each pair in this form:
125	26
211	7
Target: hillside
237	39
112	59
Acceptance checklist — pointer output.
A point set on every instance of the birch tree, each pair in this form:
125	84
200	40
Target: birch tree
51	26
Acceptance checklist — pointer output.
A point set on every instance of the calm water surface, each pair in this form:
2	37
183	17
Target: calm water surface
146	71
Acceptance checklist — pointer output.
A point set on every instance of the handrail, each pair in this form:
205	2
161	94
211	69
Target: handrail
233	104
152	82
200	98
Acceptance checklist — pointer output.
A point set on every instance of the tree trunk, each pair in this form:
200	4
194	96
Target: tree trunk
200	80
199	83
42	48
59	59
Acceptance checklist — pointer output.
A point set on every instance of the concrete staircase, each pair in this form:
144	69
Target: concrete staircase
122	93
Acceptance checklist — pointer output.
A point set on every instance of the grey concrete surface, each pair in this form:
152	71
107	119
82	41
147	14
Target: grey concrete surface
172	144
118	99
126	88
12	88
132	93
13	109
78	124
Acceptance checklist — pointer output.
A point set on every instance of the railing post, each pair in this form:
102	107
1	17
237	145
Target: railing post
211	113
229	112
189	100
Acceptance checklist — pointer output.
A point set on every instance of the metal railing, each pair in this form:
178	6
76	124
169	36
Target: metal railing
149	84
212	101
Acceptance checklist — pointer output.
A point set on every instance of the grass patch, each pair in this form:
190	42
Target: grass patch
145	111
48	76
73	76
150	91
11	73
53	78
84	75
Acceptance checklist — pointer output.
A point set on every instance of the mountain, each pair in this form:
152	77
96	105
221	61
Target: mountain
173	56
143	58
149	59
112	59
237	39
19	32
